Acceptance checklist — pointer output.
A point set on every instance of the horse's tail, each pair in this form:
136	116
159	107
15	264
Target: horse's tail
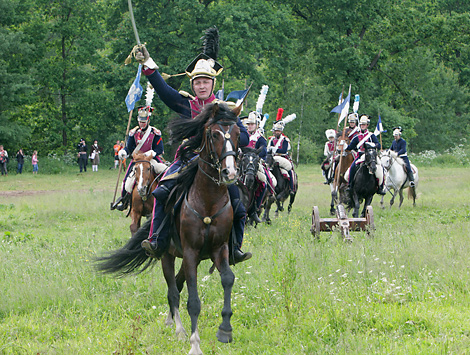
412	193
131	258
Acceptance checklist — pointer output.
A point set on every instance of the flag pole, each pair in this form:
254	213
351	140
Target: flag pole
300	127
336	180
380	137
120	161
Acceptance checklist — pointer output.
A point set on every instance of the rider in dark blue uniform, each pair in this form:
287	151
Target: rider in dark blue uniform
399	146
358	143
202	72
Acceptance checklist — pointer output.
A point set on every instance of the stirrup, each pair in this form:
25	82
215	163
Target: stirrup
412	184
151	249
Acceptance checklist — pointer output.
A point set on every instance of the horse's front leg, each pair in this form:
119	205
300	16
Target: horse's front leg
227	278
367	202
333	199
135	225
357	205
401	198
173	295
190	264
291	202
392	201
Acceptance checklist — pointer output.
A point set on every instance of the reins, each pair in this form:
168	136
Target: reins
215	162
153	181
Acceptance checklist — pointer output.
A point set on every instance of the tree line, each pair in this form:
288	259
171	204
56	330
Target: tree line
63	74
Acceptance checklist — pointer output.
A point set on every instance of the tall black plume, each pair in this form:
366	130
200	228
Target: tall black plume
211	42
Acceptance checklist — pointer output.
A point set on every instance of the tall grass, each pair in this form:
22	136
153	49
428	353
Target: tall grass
403	291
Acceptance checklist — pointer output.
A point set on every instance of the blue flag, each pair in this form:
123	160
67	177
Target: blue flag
237	95
135	92
379	129
342	105
220	94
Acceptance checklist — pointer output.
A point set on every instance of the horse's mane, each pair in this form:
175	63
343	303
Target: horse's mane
395	156
187	174
192	130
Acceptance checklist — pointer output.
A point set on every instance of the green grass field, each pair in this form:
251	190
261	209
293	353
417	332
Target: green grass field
404	291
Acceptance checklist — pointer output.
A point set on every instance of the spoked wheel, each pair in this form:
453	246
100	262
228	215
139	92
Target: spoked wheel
315	230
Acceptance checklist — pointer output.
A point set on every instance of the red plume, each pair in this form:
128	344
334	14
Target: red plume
280	111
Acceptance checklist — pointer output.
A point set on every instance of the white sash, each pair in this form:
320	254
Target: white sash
142	141
364	139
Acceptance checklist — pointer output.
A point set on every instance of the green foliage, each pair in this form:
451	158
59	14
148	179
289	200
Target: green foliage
63	76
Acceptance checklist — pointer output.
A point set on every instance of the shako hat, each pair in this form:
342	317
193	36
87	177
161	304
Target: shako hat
205	64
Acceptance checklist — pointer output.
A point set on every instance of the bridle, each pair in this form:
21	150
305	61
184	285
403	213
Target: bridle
391	160
147	190
216	160
368	153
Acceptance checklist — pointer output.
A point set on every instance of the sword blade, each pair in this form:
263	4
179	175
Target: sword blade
131	11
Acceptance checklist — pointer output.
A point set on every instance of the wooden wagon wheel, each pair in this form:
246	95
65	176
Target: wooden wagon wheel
370	220
315	230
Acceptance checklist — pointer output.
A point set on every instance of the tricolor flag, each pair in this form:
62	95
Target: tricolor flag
237	96
343	108
380	128
135	92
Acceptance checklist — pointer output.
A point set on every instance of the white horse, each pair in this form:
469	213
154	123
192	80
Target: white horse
396	177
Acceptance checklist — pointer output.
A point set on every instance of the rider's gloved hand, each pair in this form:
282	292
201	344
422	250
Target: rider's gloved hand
142	55
150	153
122	154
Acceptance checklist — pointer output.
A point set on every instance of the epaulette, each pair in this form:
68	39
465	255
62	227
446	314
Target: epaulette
133	130
157	131
186	94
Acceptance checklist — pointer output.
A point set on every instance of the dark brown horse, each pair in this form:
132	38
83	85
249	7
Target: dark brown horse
146	174
282	189
203	223
339	183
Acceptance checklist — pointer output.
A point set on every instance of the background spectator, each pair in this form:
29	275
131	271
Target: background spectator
95	155
34	161
124	160
82	155
20	160
3	161
116	148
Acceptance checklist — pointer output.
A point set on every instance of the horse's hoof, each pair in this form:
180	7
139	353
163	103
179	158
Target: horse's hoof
223	336
169	320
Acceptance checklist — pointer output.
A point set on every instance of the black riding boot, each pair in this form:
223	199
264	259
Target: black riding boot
411	178
239	213
158	241
238	227
159	238
381	190
122	202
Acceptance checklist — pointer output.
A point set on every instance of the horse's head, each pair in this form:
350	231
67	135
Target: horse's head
386	159
269	159
371	157
221	141
144	173
249	165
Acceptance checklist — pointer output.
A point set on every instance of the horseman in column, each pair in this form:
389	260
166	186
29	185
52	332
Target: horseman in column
328	165
399	146
279	146
202	72
352	130
358	144
143	138
258	141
